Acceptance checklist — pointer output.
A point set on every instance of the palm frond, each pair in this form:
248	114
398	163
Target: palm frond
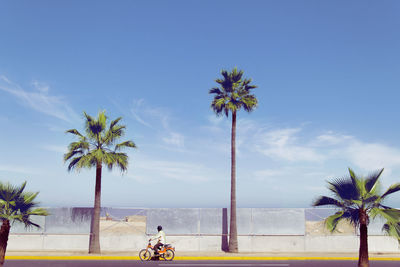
125	144
117	131
115	122
98	154
236	75
116	158
39	212
94	127
216	91
353	176
225	74
74	163
371	201
392	229
19	189
332	221
249	103
372	181
71	154
392	189
74	131
390	215
327	201
380	205
112	134
248	87
352	215
28	197
88	117
345	189
78	145
358	182
218	106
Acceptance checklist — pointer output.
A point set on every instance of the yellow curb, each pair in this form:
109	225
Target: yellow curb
188	258
72	258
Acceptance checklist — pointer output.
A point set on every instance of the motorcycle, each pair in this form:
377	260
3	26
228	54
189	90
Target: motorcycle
166	252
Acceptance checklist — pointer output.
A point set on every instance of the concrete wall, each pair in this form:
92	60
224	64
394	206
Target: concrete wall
260	230
48	242
250	221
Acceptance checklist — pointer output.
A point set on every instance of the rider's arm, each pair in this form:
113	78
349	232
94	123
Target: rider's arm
157	236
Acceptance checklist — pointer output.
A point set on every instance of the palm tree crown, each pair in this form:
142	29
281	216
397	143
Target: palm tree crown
356	196
98	146
233	94
17	205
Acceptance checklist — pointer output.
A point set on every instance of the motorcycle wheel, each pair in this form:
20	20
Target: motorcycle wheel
169	255
145	255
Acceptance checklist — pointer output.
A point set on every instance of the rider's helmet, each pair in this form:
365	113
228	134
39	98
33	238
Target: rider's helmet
159	228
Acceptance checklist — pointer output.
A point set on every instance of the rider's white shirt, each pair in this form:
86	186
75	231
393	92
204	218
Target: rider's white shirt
160	236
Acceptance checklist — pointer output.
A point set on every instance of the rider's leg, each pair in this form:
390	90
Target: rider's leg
157	247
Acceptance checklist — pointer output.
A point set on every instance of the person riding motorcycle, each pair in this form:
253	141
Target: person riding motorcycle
160	237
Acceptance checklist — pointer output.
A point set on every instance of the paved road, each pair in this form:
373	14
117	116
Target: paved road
126	263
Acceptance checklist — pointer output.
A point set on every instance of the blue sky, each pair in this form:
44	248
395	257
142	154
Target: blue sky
328	87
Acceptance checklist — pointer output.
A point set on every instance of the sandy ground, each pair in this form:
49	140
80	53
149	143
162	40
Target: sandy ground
135	224
318	228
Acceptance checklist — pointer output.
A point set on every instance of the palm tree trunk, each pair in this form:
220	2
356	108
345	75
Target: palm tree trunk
4	232
94	241
233	241
363	260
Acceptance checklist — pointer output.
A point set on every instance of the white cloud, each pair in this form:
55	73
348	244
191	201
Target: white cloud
137	107
283	144
174	139
288	173
294	146
331	138
269	173
216	120
317	189
168	169
365	155
55	148
55	128
17	169
372	155
40	99
41	87
154	117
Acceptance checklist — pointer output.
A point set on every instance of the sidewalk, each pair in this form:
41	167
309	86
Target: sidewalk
185	255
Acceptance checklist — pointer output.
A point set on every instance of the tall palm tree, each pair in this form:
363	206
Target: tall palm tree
233	93
16	205
359	200
94	149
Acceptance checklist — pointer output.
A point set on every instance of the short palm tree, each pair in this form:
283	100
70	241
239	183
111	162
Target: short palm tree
359	200
233	93
94	149
16	205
